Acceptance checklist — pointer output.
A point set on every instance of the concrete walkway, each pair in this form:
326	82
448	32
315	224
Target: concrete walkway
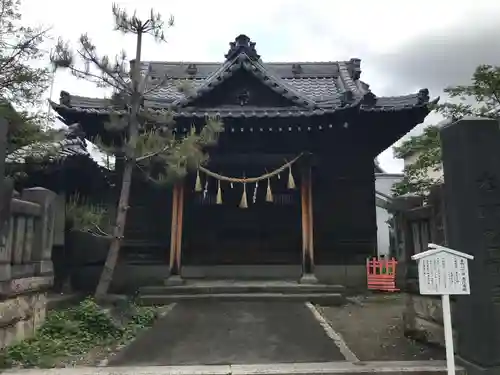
221	333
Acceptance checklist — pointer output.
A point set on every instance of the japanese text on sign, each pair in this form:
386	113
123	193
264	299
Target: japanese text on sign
443	273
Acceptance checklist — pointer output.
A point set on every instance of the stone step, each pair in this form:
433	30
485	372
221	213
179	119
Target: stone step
325	368
331	299
242	287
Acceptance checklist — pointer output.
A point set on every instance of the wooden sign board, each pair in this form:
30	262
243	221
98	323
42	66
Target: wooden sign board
443	271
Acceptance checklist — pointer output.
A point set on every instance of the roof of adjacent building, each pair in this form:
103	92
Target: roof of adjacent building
56	151
312	88
51	151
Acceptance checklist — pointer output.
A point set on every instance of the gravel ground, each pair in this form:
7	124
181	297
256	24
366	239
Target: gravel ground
373	329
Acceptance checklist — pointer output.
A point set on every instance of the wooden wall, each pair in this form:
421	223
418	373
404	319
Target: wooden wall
147	230
225	234
345	229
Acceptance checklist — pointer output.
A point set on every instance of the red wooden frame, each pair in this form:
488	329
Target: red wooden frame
381	274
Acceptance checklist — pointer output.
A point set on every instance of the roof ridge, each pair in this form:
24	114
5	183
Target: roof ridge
257	68
348	82
309	77
329	62
281	81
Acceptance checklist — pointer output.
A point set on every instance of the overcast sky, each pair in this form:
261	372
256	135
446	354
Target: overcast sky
403	45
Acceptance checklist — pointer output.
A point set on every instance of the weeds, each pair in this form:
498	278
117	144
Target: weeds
76	330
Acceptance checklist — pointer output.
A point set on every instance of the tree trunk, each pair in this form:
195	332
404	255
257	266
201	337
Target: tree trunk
123	203
118	231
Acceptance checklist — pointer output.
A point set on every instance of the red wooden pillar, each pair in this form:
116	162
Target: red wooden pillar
180	217
307	218
176	228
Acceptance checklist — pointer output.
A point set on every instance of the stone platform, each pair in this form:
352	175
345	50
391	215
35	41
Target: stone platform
238	290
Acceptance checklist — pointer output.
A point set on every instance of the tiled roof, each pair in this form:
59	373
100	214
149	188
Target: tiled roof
58	152
313	88
48	151
52	151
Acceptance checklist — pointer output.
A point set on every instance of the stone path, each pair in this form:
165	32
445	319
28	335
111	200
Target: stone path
215	333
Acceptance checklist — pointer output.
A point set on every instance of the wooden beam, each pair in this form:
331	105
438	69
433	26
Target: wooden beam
379	202
266	160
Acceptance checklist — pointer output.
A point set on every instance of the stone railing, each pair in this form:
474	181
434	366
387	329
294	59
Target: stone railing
26	271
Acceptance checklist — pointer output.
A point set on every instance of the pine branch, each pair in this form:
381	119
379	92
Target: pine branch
107	76
25	47
110	72
153	26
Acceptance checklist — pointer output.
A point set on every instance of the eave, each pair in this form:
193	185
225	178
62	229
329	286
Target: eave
228	112
383	104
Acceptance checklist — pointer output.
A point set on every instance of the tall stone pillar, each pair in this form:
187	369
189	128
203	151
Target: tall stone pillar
44	229
471	161
5	206
3	145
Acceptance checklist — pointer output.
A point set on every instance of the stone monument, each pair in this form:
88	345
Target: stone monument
471	161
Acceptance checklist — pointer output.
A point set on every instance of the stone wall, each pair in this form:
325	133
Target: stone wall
423	319
418	224
26	271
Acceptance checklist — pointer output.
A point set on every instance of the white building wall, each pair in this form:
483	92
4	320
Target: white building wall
383	184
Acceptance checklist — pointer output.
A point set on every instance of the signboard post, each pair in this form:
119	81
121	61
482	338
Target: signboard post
444	271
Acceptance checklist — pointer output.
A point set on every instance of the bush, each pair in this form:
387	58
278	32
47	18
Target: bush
74	331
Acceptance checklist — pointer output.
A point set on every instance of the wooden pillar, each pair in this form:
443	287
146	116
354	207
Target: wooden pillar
310	219
180	216
173	231
304	214
307	218
176	228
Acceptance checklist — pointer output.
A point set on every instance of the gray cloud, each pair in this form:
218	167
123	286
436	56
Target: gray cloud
441	59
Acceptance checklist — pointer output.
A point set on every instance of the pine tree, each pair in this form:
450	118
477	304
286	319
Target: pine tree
149	141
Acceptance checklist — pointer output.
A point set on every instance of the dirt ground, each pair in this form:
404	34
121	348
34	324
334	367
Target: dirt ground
372	327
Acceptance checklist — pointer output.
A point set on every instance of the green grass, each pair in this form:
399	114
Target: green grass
74	332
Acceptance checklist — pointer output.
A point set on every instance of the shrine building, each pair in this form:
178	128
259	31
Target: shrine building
290	187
